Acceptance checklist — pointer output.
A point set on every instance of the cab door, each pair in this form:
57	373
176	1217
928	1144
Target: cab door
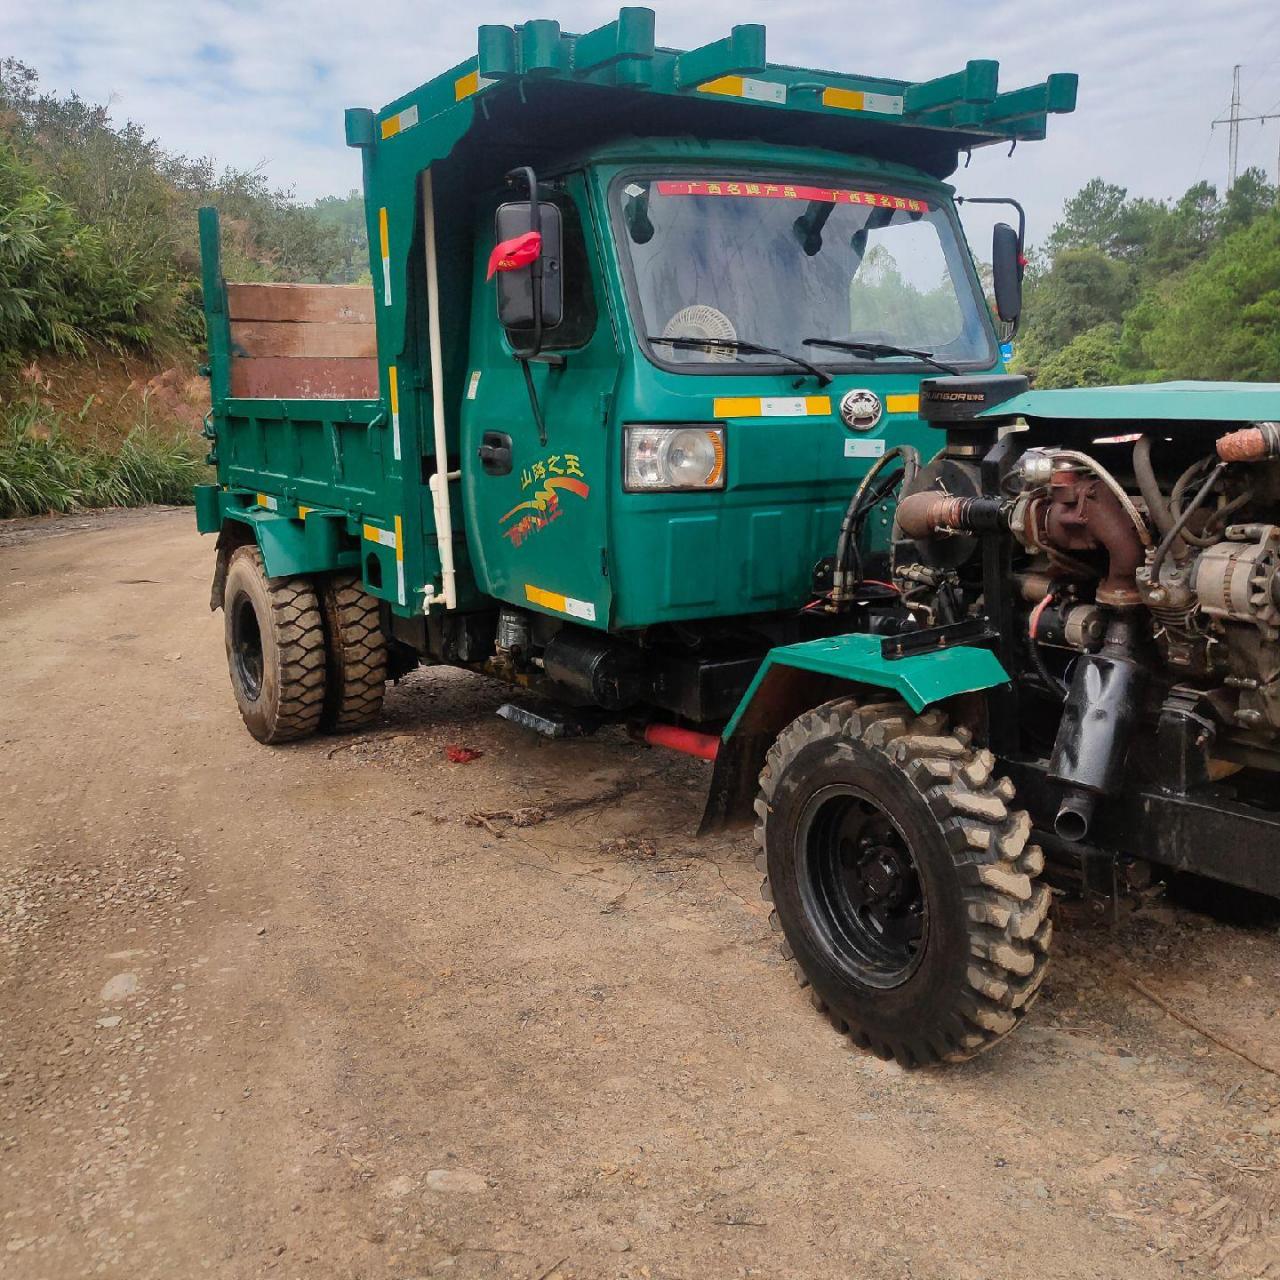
536	510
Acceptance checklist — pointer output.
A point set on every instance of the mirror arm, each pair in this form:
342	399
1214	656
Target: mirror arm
525	174
539	422
1013	204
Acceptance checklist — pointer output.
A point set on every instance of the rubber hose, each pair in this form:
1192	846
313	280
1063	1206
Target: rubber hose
910	467
1153	495
1201	496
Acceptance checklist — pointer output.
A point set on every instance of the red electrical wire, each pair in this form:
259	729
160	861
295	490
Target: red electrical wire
1036	614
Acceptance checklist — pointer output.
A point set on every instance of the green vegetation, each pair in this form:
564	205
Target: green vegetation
99	262
1136	290
45	467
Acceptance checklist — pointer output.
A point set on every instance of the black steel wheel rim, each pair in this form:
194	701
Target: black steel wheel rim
246	647
861	888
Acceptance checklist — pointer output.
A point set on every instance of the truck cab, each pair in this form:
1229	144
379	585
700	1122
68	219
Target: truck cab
679	482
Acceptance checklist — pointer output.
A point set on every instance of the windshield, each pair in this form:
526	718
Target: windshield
772	263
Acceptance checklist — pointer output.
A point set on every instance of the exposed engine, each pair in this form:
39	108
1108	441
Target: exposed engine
1143	571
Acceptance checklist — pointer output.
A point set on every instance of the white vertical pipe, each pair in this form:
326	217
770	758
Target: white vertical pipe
439	483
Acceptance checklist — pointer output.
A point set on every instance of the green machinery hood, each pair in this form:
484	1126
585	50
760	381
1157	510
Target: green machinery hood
1226	402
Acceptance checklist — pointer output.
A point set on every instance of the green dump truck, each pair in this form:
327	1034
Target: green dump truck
676	400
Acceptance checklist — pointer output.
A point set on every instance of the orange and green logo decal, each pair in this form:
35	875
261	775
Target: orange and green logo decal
548	478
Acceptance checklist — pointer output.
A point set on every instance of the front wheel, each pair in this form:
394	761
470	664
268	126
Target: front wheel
902	882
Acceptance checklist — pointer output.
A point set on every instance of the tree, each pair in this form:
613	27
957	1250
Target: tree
1088	360
1129	289
1184	234
1101	216
1222	318
1248	200
345	216
115	187
1082	290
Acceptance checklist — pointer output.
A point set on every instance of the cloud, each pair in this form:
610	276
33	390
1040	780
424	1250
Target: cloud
264	82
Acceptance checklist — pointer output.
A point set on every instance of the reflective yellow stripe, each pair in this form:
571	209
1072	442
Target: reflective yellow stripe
302	512
772	406
746	87
583	609
885	104
399	561
902	404
845	99
384	537
465	86
547	599
393	379
730	86
384	239
399	122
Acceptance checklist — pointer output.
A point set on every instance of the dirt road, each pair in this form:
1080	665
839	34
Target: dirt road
285	1013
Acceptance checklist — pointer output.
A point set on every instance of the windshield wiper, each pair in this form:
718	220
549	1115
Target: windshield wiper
746	349
877	350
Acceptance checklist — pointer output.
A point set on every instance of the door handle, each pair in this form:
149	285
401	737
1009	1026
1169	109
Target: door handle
495	453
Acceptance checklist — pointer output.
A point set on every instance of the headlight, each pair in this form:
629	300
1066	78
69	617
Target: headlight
674	458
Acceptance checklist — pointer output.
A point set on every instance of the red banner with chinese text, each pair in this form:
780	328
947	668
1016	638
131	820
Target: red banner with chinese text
791	191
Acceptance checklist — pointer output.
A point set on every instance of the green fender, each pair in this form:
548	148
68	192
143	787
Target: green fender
796	677
289	544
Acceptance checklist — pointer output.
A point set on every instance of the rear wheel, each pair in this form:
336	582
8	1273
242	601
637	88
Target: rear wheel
275	649
356	652
902	882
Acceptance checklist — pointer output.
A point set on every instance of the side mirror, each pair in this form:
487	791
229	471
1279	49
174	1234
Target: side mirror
1006	270
516	308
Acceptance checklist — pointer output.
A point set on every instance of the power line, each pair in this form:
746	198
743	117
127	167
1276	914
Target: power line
1234	119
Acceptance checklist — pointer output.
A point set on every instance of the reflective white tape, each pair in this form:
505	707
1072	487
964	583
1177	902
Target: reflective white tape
884	103
864	448
784	407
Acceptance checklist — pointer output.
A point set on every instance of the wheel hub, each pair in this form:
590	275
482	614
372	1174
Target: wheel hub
866	896
882	877
247	647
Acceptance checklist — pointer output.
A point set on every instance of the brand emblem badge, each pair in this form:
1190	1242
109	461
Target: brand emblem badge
860	410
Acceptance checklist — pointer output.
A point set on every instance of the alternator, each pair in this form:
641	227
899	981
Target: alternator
1238	579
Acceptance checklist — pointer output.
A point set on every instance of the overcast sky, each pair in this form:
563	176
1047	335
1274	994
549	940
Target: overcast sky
265	81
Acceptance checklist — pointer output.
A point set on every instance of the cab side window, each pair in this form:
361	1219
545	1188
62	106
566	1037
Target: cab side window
579	320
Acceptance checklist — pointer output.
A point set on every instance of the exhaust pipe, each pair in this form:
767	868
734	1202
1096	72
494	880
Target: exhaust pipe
1075	816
